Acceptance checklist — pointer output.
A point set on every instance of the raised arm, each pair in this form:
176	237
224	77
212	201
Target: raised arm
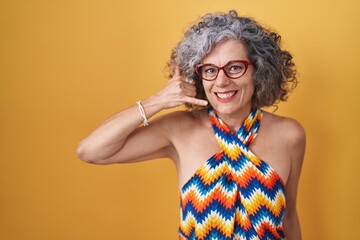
120	139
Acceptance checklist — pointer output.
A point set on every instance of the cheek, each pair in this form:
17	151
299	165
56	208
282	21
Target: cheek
247	85
202	90
206	86
246	89
251	85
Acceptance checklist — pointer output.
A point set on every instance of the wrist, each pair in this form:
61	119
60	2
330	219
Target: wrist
151	106
142	113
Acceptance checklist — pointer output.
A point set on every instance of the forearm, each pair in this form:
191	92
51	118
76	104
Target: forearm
109	137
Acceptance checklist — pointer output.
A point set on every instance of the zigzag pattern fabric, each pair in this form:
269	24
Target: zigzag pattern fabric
234	194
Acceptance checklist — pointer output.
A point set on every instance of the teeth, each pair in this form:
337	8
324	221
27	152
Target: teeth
225	95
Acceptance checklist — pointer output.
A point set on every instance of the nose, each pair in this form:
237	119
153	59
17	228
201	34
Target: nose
222	80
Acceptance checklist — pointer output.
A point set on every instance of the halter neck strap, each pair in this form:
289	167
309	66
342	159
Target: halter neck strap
232	143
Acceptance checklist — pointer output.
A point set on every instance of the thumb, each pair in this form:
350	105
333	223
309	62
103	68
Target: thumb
177	71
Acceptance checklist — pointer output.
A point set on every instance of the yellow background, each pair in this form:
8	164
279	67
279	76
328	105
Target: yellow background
67	65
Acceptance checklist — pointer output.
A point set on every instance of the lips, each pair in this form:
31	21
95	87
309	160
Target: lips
225	96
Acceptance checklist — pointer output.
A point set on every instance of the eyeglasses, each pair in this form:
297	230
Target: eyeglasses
233	69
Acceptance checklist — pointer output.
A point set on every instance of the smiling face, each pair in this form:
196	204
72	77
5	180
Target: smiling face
229	97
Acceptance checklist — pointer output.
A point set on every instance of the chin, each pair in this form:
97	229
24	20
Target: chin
231	108
221	109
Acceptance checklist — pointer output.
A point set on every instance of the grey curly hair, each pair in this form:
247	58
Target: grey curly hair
275	73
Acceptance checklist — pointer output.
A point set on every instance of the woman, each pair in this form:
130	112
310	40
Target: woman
224	70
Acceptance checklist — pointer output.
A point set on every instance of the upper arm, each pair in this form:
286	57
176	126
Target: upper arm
297	141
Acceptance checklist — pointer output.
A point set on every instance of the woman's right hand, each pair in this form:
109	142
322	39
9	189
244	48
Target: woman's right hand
178	91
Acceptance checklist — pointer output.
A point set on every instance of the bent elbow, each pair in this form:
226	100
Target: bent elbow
84	154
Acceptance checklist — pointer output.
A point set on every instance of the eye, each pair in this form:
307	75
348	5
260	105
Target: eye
236	68
209	70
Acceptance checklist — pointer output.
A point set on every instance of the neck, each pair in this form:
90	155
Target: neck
236	119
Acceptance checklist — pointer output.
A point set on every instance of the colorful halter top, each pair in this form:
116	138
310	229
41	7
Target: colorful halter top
234	194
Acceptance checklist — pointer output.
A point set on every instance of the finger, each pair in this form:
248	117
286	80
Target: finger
177	71
196	101
188	86
189	92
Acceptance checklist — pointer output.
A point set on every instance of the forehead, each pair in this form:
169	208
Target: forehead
226	51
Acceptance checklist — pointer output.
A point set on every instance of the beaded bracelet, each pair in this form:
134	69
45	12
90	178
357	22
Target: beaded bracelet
142	112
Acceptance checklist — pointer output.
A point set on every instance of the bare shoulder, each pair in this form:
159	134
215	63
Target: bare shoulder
182	128
289	130
179	117
180	122
290	138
